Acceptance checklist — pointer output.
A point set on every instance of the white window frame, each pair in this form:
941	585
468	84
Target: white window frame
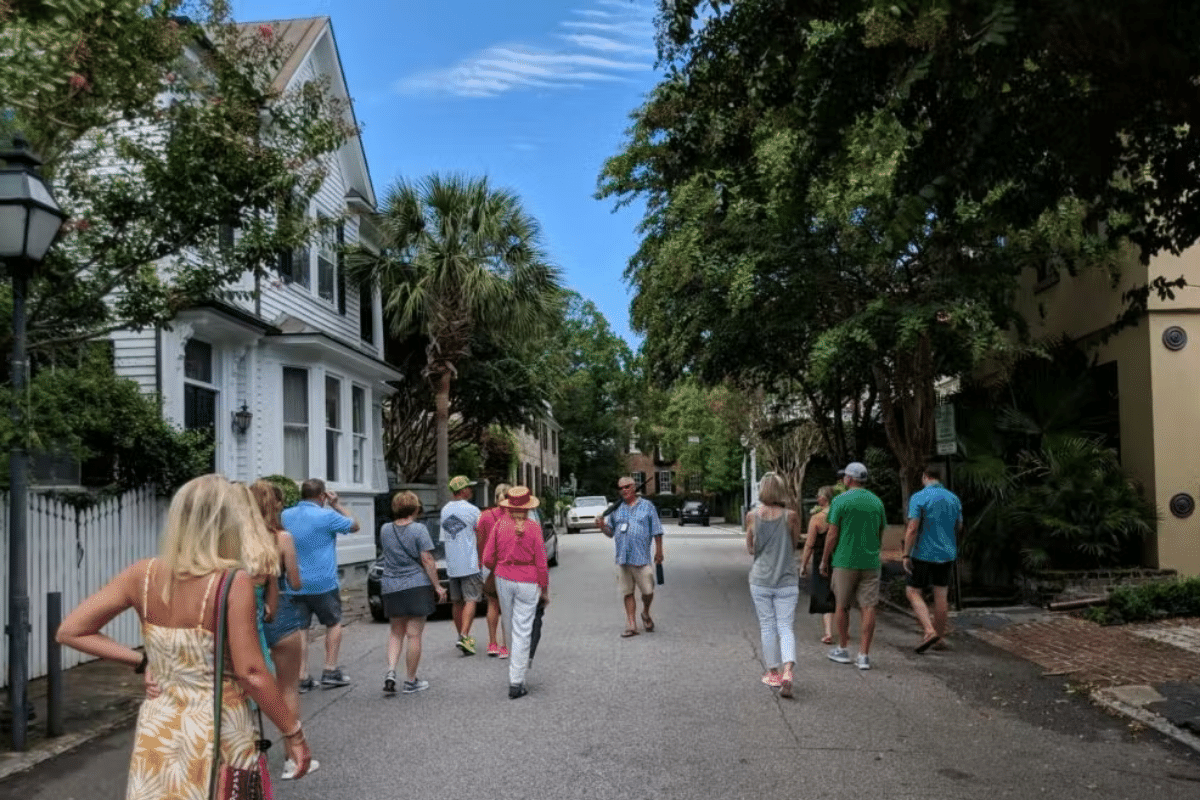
325	253
659	482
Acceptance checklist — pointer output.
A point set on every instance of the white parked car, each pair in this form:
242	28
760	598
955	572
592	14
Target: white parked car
582	513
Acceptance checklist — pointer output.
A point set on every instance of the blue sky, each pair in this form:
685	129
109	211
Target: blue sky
533	93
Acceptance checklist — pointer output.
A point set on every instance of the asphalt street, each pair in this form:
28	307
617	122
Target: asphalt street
680	712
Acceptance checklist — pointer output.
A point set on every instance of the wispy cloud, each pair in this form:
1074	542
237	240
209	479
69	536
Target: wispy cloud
609	41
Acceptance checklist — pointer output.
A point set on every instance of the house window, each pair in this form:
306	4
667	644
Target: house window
358	426
295	423
333	427
664	481
199	393
695	483
554	442
638	478
327	260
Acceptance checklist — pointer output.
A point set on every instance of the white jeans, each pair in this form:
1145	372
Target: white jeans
776	609
518	603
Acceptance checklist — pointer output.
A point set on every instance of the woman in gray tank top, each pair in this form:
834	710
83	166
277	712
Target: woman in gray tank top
772	534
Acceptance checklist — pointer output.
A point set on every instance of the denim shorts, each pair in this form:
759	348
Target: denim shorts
289	618
327	607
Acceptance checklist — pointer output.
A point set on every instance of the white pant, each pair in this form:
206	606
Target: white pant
518	603
776	608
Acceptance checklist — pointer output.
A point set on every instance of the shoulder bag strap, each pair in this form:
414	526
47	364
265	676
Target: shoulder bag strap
219	677
400	542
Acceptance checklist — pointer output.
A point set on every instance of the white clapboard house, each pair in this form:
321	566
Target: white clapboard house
289	380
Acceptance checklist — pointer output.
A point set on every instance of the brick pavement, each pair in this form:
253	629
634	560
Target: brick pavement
1103	656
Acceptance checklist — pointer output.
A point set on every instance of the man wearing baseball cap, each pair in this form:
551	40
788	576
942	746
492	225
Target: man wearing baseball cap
459	517
856	522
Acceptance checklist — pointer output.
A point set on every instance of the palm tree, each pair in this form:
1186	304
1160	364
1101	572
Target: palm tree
458	254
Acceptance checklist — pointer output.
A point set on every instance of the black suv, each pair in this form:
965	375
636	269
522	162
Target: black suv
694	511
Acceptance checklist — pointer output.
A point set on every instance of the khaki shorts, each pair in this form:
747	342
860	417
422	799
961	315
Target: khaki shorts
466	588
629	576
855	587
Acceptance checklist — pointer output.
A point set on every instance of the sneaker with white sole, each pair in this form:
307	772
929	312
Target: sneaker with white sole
289	768
841	655
415	686
307	684
334	677
863	661
389	681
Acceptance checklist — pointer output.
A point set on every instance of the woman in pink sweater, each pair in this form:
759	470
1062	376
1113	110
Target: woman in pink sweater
516	553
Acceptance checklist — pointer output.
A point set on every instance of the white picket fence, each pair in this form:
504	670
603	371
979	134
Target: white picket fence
77	552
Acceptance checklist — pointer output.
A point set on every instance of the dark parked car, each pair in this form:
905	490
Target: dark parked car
694	511
432	521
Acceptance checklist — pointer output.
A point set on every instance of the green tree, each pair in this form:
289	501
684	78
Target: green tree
159	136
459	255
591	397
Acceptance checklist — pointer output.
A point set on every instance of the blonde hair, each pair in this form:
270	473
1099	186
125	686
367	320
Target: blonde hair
772	492
501	492
269	498
826	492
260	551
204	530
405	504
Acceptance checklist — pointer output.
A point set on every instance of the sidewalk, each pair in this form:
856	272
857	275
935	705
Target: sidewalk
1148	672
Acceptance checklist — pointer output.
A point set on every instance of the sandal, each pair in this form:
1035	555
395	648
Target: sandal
649	623
826	640
785	686
629	632
772	679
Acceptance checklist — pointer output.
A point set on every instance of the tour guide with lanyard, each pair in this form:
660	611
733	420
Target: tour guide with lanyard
614	505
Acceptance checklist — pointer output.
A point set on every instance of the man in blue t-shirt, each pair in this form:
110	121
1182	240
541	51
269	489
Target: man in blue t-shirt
315	529
930	548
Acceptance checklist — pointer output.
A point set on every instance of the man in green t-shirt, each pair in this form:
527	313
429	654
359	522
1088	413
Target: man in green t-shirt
856	522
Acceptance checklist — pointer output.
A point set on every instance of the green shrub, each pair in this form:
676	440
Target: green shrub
291	489
1150	601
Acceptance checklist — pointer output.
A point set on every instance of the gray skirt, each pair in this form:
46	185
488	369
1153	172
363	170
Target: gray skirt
416	602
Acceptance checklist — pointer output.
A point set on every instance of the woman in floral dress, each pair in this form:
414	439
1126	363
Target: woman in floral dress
175	595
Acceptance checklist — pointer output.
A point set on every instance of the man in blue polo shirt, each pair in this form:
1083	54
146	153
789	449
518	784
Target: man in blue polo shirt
930	548
315	529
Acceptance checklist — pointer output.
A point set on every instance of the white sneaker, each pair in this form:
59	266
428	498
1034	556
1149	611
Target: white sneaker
289	768
863	661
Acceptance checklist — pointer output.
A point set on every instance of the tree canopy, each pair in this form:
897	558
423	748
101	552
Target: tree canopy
160	135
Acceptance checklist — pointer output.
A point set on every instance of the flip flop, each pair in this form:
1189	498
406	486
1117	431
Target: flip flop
826	640
785	687
629	632
928	643
649	623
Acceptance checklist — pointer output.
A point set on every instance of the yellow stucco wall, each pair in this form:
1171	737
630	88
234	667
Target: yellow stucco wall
1159	389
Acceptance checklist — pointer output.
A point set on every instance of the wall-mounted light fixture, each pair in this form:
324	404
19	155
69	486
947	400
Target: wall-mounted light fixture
242	418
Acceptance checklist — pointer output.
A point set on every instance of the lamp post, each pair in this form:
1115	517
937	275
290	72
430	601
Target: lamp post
29	223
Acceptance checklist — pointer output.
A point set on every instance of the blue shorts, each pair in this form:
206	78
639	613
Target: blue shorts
289	618
327	607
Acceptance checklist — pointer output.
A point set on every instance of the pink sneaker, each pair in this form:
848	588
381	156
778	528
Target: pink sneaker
503	652
493	650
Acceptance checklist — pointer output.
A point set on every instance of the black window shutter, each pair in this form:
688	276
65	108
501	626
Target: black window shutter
341	269
285	265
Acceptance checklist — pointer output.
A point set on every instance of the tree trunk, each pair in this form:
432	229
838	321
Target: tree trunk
443	438
907	400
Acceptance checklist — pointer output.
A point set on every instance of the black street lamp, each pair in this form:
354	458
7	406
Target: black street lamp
29	223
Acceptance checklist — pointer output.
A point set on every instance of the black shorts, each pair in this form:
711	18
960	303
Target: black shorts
415	602
930	573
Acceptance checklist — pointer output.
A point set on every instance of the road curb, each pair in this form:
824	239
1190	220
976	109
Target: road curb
13	763
1108	699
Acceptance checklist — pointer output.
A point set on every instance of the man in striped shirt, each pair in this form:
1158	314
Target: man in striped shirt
631	526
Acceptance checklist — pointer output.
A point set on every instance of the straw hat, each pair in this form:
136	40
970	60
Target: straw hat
519	498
